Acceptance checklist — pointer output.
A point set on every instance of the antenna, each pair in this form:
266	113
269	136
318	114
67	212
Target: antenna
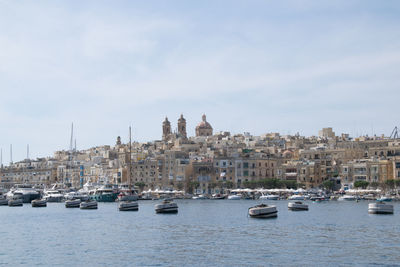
1	156
75	145
72	137
27	151
130	157
11	161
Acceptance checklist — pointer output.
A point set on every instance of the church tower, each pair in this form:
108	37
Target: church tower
166	129
182	126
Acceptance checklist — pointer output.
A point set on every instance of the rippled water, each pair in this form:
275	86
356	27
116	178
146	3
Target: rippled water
203	233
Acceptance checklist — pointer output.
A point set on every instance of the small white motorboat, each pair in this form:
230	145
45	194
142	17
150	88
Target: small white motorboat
199	197
15	202
39	203
296	197
385	199
347	198
128	206
270	197
167	206
263	211
380	208
297	205
235	197
88	205
73	203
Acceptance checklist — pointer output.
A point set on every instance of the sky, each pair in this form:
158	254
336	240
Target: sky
250	66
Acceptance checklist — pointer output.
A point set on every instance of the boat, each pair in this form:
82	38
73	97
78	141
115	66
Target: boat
218	196
24	191
15	202
88	205
270	197
318	199
105	193
263	211
128	206
3	201
77	195
347	198
199	197
380	208
384	199
297	205
73	203
296	197
166	206
235	197
39	203
53	195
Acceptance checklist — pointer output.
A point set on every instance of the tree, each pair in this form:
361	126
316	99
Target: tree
179	186
390	183
362	184
374	184
141	185
329	185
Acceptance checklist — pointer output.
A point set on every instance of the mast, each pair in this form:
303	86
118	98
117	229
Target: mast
130	158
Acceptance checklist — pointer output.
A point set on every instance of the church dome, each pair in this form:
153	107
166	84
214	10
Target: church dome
204	124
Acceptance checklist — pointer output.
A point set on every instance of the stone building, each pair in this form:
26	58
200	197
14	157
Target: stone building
204	128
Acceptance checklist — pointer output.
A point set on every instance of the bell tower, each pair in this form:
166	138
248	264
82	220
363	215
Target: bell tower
182	126
166	129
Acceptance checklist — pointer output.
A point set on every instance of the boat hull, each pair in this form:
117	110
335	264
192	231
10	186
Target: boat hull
104	197
297	206
166	208
263	211
39	203
380	208
91	205
3	202
128	206
73	203
15	203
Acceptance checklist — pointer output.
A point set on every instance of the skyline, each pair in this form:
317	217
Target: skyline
255	67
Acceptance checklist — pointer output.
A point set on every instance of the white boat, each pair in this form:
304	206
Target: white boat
347	198
263	211
73	203
166	206
77	195
39	203
298	205
270	197
15	202
380	208
218	196
128	206
23	191
296	197
53	195
199	197
88	205
385	199
235	197
127	193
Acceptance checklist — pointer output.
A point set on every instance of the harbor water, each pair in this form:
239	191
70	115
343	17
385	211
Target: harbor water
202	233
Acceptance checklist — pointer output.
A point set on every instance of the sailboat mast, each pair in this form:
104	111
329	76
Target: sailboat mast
130	157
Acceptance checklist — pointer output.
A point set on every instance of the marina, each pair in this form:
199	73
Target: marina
207	227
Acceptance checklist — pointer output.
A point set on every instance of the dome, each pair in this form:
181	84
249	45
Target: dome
204	124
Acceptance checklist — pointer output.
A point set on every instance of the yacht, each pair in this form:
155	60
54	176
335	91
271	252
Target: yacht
297	205
235	197
127	193
166	206
263	211
105	193
270	197
347	198
128	206
296	197
23	191
53	195
39	203
73	203
88	205
380	208
385	199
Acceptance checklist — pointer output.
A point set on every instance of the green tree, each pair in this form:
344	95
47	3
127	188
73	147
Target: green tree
141	185
362	184
328	185
179	186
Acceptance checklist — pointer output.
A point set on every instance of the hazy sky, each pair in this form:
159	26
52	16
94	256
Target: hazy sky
256	66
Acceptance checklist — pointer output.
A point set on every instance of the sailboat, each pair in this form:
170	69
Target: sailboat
128	197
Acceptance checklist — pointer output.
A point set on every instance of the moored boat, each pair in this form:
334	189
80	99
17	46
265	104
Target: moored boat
199	197
166	206
384	199
218	196
380	208
39	203
298	205
235	197
270	197
128	206
263	211
88	205
347	198
105	193
296	197
73	203
3	201
15	202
